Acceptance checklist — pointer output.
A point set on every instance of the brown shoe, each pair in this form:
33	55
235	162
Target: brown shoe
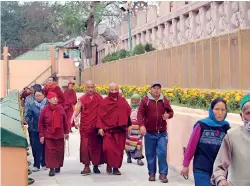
151	177
163	178
86	171
116	171
109	170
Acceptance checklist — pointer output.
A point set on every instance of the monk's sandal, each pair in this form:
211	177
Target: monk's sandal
96	169
116	171
86	171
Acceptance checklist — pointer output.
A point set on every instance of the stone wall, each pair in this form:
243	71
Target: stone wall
186	22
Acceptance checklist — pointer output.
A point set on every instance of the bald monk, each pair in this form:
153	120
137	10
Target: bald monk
69	104
53	128
113	121
91	142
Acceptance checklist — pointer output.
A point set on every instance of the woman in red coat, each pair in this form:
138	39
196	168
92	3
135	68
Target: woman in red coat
69	104
51	86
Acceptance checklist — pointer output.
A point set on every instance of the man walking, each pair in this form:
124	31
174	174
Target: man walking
153	113
91	142
113	121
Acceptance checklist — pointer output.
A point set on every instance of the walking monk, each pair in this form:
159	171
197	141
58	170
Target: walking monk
91	142
53	128
51	86
69	104
113	121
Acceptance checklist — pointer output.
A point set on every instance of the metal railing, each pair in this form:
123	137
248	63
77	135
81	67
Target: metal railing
47	71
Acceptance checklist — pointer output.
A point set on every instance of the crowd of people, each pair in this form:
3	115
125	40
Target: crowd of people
110	125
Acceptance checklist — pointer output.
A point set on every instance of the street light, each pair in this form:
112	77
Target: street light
77	63
124	8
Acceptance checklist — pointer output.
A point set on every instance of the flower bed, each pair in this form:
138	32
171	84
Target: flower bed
194	98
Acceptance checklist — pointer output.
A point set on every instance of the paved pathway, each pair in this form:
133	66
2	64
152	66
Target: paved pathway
132	174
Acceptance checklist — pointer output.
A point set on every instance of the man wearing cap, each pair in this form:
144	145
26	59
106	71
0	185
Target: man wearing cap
53	128
153	113
70	101
232	164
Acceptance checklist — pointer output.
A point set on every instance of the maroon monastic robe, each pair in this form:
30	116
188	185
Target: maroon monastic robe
91	142
53	126
113	118
69	104
56	89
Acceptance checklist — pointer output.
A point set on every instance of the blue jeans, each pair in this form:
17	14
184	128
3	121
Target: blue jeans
156	145
38	148
202	178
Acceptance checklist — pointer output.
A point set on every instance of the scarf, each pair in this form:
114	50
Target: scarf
41	104
55	117
212	121
138	97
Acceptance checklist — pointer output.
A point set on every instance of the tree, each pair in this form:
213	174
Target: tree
12	23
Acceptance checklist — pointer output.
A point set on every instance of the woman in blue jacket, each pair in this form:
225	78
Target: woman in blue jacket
32	118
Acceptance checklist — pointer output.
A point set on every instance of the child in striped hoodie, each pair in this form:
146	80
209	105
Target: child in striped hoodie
133	145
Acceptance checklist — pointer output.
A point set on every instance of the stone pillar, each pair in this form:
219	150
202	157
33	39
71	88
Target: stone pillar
201	23
160	36
191	32
4	72
167	34
154	36
182	28
138	39
133	42
173	32
143	41
212	19
239	14
53	59
148	36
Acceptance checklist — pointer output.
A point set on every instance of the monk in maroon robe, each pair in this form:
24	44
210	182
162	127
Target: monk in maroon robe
113	121
51	86
91	142
69	104
53	128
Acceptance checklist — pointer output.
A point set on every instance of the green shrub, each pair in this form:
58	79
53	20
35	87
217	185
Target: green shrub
149	47
139	49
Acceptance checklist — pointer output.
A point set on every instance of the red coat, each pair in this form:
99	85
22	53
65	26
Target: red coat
53	122
70	98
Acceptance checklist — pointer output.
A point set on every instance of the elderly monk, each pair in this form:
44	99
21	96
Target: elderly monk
232	164
113	121
69	104
51	86
53	128
91	142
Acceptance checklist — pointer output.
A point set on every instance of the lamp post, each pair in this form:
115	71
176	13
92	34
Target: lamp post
77	63
8	73
127	8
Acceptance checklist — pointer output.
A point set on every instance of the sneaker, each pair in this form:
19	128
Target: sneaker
163	178
140	162
86	171
52	172
129	160
96	169
35	169
44	168
151	177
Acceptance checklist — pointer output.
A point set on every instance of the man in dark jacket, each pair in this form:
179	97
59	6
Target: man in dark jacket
153	113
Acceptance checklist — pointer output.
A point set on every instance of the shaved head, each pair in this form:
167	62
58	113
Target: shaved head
89	82
113	87
90	87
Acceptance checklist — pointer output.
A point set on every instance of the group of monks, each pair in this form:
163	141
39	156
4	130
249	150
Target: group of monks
103	126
